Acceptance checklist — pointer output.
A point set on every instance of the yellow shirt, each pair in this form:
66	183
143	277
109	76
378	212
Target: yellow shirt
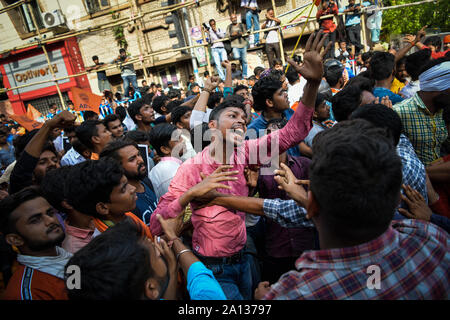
397	85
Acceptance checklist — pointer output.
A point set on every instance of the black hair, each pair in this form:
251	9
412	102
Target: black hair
88	115
292	76
135	108
78	146
366	56
69	129
110	118
11	203
121	112
341	58
122	50
160	136
264	89
257	71
214	99
179	112
114	266
382	65
277	61
400	62
277	74
346	101
94	57
20	142
147	98
240	87
137	136
91	182
53	185
415	61
320	98
430	64
111	150
355	176
446	114
233	101
174	93
434	41
210	20
206	73
159	102
86	131
205	136
363	81
382	117
333	74
173	104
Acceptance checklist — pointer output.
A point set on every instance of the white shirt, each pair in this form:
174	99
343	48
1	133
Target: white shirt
71	158
295	92
198	117
162	174
272	36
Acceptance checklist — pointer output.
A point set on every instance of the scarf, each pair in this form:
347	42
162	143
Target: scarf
436	78
51	265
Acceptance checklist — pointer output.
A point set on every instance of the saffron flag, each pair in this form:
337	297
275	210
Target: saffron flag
84	100
33	113
24	121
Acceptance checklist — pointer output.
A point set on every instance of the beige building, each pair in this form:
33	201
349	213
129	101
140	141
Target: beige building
148	28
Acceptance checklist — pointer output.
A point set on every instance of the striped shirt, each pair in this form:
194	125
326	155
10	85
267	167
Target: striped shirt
408	261
425	131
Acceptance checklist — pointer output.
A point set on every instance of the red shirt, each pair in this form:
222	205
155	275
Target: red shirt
327	24
30	284
436	55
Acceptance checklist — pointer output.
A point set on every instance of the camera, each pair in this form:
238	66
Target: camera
205	26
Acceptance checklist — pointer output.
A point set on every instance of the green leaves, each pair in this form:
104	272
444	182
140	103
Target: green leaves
411	19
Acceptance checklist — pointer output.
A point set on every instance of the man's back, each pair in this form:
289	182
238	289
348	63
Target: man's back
31	284
409	261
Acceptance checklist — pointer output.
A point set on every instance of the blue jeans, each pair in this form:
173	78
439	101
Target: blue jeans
219	55
235	279
126	84
241	54
249	17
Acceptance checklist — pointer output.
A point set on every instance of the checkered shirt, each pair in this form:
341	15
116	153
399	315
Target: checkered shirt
426	132
287	213
412	258
413	170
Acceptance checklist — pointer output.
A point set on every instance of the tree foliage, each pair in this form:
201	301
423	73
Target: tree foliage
411	19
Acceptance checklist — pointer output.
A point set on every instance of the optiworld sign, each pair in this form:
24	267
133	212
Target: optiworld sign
35	69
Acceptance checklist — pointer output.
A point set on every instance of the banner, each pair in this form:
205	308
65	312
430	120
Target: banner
32	113
83	100
197	38
27	123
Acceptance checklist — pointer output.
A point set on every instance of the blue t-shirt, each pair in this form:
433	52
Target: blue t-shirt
145	204
380	92
258	126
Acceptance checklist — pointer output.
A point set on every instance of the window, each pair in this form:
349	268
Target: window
21	17
94	6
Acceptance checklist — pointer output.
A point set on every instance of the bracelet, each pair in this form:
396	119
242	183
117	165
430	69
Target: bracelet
181	252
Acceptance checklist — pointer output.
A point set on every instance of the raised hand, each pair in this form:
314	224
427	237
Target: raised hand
226	64
211	83
63	119
312	67
287	181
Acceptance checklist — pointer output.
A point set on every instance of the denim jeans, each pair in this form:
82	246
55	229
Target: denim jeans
235	279
103	85
219	55
241	54
249	17
126	84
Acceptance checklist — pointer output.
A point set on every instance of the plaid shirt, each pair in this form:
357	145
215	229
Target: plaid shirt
412	256
413	170
426	132
287	213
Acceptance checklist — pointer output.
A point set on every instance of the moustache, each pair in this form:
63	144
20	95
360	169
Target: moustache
53	227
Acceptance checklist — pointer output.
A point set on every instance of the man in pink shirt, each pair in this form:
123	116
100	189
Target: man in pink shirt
219	235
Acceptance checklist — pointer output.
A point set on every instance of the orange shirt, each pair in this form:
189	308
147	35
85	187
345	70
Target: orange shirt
31	284
101	226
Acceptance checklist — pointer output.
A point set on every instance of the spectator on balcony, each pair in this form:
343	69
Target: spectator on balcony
235	32
252	17
272	41
327	25
126	71
219	53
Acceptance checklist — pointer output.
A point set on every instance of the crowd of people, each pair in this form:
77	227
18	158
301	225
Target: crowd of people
299	185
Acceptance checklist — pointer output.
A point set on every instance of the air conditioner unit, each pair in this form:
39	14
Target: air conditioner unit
53	19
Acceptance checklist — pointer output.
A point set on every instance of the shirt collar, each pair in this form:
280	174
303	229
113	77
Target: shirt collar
171	159
349	257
